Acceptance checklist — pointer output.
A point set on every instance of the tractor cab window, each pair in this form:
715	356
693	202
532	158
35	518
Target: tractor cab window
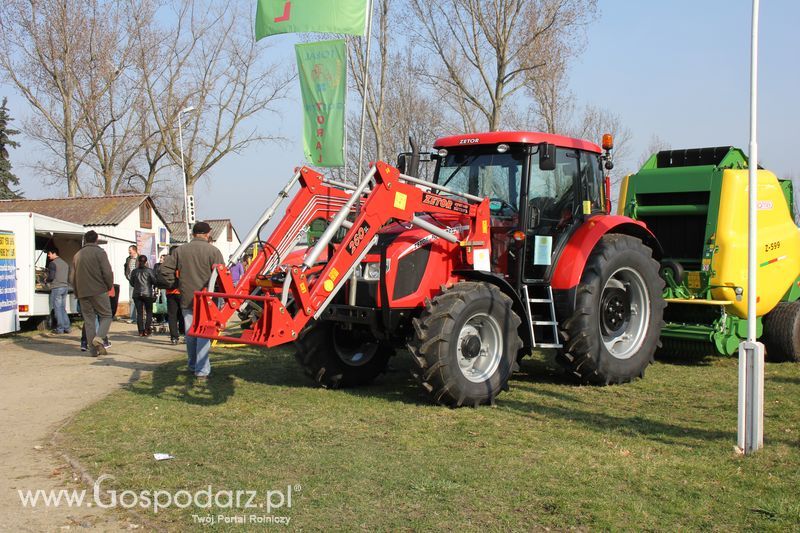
592	181
551	194
485	174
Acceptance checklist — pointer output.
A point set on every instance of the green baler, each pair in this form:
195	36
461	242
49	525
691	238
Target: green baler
695	202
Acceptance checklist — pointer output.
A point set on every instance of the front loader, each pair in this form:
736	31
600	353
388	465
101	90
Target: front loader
509	248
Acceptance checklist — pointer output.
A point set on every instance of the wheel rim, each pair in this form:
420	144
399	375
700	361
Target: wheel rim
479	347
624	313
352	348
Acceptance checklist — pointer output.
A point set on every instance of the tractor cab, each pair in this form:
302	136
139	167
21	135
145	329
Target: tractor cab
540	186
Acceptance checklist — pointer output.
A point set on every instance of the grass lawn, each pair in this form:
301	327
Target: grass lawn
657	454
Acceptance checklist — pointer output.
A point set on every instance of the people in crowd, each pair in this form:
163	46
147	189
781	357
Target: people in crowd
92	279
174	314
58	283
195	261
237	271
130	265
143	281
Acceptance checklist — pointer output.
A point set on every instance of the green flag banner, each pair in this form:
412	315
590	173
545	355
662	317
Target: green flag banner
323	67
298	16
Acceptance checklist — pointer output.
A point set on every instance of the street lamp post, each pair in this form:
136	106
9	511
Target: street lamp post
183	171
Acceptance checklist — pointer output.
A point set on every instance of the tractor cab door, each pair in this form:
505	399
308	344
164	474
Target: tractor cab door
558	200
553	204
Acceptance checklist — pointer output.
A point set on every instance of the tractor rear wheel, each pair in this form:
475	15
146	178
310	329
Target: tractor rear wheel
613	333
782	332
337	358
465	345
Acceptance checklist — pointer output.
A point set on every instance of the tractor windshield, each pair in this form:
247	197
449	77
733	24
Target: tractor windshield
485	174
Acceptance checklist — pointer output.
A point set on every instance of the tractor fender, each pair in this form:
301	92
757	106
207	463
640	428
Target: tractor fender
569	268
503	285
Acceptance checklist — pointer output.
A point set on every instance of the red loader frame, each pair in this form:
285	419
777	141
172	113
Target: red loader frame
312	286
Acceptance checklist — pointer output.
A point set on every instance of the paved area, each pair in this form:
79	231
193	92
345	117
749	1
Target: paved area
44	380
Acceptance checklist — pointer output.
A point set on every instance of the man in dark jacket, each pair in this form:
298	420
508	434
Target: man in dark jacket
92	279
130	265
58	283
195	262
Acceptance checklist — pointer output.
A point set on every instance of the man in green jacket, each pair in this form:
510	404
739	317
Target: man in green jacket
92	279
195	262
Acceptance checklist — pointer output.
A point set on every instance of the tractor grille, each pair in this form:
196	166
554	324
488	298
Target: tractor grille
410	270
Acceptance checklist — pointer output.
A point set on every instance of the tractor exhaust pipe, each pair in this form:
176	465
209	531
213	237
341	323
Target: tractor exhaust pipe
413	163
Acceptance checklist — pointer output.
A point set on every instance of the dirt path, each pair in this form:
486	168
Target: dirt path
44	380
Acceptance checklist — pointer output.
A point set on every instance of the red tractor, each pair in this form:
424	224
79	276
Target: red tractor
508	248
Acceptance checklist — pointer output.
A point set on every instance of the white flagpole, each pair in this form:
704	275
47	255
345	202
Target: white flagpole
365	79
750	432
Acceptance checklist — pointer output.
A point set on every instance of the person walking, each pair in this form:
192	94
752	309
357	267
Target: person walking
174	314
58	283
130	265
144	286
92	279
195	261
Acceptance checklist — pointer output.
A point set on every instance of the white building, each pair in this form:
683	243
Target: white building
223	235
121	220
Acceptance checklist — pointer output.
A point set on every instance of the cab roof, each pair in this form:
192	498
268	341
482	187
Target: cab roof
510	137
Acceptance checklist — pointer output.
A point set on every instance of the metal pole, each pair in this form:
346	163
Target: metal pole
183	172
365	79
750	426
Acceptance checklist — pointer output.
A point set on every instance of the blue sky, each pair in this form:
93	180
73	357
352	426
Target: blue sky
676	69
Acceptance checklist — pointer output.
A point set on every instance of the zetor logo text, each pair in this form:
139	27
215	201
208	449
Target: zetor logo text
473	140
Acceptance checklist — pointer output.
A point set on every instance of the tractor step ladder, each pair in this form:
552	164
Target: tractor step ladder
547	309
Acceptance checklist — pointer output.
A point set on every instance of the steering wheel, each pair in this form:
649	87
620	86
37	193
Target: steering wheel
503	204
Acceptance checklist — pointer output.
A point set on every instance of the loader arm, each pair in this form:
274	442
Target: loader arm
393	197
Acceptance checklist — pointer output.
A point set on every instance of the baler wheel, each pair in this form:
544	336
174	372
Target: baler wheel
337	358
613	333
465	345
782	332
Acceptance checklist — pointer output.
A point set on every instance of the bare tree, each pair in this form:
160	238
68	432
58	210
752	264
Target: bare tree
484	50
397	107
213	64
594	123
56	55
656	144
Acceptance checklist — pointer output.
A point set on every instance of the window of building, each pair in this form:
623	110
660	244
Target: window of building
230	233
145	215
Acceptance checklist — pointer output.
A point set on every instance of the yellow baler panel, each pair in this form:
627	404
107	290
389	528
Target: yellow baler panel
778	248
623	195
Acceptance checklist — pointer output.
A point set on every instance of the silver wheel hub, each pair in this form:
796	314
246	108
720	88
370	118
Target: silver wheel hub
624	313
479	347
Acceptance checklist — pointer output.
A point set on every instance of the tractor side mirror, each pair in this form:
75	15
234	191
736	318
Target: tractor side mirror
547	156
401	163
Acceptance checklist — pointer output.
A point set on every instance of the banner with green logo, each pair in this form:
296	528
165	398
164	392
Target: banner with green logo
322	67
298	16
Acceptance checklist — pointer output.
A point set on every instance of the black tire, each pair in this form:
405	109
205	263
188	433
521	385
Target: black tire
620	268
782	332
475	313
328	355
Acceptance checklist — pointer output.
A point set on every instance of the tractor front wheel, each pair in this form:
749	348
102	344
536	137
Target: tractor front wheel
465	345
337	358
613	333
782	332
